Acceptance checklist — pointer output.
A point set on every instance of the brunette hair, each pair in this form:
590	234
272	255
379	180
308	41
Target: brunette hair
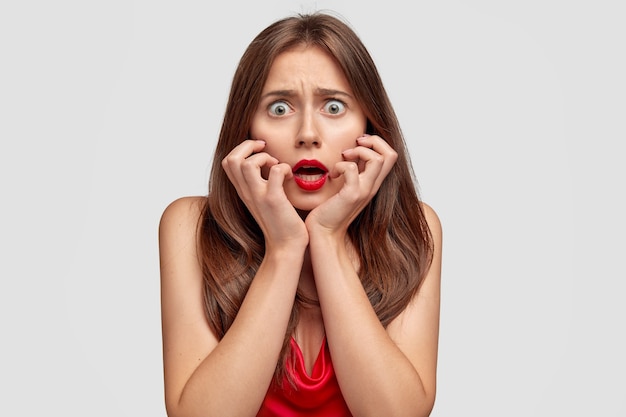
391	236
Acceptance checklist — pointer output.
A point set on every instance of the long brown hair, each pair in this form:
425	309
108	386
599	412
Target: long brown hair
391	237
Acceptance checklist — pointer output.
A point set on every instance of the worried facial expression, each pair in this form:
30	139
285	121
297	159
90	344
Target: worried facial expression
308	116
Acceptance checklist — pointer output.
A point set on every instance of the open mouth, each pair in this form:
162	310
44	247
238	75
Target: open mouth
310	175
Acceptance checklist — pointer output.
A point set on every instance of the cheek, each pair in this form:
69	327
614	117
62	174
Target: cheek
274	134
254	132
259	126
273	149
343	137
352	128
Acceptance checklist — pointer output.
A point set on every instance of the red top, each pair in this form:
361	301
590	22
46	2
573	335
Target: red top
314	395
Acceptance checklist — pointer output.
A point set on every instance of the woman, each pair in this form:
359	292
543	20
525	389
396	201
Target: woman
307	281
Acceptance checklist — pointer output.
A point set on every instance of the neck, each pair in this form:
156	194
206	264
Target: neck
307	281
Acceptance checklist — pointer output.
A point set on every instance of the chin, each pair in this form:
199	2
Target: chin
306	202
305	206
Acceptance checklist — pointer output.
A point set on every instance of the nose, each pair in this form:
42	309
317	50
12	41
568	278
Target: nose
308	134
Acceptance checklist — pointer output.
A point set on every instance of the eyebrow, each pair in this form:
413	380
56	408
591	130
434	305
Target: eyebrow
318	91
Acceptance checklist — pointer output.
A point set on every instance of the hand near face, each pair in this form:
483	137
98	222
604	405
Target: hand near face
265	198
363	170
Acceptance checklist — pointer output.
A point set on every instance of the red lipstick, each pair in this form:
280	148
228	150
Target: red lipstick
310	174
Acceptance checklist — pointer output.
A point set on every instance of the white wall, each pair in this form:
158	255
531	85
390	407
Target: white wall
513	112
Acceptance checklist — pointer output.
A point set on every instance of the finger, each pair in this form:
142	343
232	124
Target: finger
241	152
242	171
373	142
377	144
349	170
380	146
253	166
247	148
278	173
373	167
370	162
243	165
254	163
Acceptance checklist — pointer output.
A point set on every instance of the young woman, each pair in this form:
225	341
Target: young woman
307	281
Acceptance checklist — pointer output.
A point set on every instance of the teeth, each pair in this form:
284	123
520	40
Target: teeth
306	177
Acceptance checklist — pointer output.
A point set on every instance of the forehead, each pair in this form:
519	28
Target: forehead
306	65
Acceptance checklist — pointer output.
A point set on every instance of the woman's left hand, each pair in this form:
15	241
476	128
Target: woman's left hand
364	168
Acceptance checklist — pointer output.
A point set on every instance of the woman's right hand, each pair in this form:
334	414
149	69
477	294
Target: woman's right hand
265	198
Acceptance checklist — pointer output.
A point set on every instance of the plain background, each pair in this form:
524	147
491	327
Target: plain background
513	112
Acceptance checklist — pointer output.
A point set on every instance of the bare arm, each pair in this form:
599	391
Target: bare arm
381	372
204	376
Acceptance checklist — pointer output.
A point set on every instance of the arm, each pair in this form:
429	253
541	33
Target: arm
229	377
381	372
204	376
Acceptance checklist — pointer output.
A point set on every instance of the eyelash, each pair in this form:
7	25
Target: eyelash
277	102
341	102
272	106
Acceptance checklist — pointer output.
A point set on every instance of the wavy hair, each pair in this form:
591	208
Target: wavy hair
391	236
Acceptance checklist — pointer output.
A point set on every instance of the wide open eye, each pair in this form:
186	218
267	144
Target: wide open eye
334	107
279	108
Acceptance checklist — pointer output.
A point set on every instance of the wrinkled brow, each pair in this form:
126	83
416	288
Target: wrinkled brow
318	91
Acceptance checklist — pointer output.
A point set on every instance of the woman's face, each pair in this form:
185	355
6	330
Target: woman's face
307	116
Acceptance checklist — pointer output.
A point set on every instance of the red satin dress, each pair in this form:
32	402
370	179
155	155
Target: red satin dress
314	395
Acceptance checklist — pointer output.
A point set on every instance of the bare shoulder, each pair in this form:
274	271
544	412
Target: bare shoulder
416	330
434	223
185	331
179	225
432	279
183	211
